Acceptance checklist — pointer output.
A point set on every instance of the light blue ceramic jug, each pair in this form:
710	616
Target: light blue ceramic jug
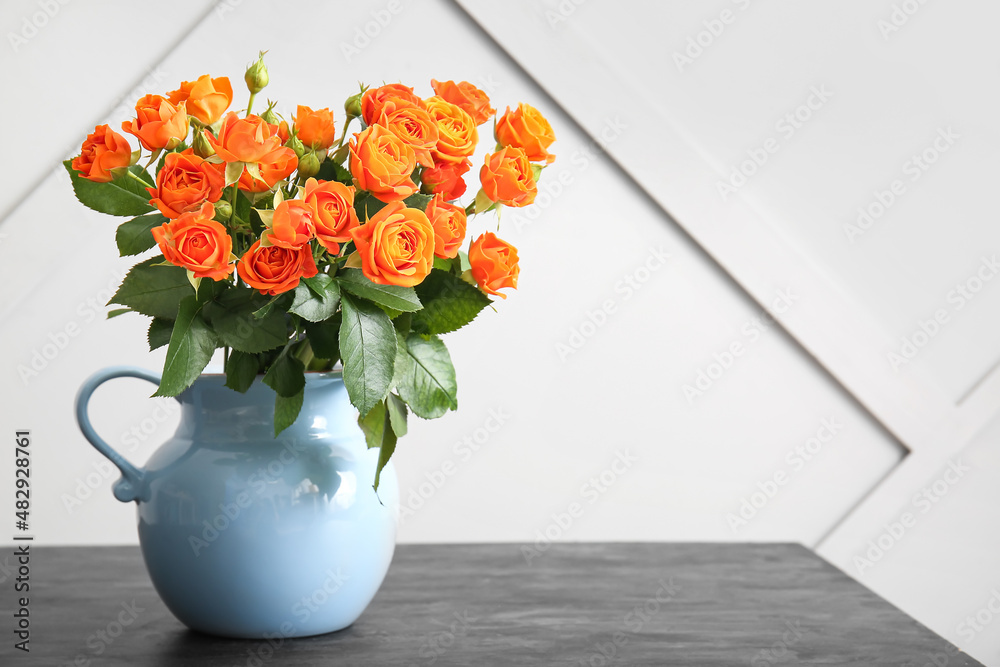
248	535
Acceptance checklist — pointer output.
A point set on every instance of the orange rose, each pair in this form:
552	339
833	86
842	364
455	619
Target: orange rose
249	139
449	222
396	246
184	183
102	151
457	134
315	128
463	94
382	164
375	98
494	264
446	179
508	179
158	123
198	243
335	215
526	128
292	224
411	125
274	270
279	165
207	98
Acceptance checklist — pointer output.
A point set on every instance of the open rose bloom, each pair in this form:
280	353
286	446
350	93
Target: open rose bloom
341	236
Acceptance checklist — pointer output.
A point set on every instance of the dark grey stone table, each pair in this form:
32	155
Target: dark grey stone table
574	604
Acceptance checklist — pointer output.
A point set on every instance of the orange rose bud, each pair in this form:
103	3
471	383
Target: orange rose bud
277	166
446	179
463	94
508	179
184	183
457	134
292	225
275	270
247	139
198	243
335	215
494	264
103	151
382	164
374	99
448	221
315	128
207	98
413	126
526	128
396	246
158	124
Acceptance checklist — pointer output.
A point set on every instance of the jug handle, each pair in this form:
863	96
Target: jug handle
128	487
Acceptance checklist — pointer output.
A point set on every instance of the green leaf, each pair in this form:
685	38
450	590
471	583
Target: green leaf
366	206
325	338
368	350
385	452
312	307
153	289
135	236
449	303
241	370
286	376
232	317
159	333
379	432
192	344
425	377
331	170
286	410
118	311
403	299
123	196
418	201
397	414
373	425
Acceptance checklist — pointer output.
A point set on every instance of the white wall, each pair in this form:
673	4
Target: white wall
697	460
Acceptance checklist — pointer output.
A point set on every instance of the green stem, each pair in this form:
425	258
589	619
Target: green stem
232	204
134	176
347	124
250	104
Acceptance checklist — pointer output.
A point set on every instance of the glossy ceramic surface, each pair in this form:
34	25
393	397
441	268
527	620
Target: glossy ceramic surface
248	535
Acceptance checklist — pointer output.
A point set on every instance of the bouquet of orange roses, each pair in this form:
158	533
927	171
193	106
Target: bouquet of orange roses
294	251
